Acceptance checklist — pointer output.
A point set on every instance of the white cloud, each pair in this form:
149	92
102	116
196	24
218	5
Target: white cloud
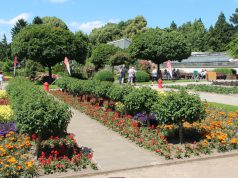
87	27
58	1
13	20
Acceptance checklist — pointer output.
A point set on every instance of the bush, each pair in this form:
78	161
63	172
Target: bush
225	71
117	93
140	100
143	65
142	76
180	107
35	111
104	75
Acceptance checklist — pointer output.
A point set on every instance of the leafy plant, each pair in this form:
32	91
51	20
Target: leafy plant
104	75
142	76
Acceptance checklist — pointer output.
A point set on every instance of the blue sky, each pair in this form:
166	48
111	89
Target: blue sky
87	14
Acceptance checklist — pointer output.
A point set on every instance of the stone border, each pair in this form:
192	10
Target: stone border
165	163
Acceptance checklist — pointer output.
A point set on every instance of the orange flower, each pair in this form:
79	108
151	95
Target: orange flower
234	141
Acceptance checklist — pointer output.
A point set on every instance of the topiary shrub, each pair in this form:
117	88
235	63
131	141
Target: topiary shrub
142	76
179	107
104	75
140	100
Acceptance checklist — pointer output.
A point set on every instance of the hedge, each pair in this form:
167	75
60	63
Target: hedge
35	111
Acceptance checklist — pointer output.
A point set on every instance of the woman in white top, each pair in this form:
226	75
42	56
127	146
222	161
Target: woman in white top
1	80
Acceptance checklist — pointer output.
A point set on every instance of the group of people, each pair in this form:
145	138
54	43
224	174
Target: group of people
202	74
122	74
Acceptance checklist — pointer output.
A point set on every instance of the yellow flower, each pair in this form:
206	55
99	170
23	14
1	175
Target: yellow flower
6	114
234	141
3	94
12	160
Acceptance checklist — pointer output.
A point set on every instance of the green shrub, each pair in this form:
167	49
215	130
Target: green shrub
140	100
35	111
101	89
142	76
225	71
117	93
179	107
104	75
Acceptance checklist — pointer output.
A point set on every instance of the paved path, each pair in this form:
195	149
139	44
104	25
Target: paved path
111	151
215	168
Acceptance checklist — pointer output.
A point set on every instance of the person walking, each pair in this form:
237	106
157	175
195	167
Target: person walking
130	75
123	73
134	75
1	80
119	75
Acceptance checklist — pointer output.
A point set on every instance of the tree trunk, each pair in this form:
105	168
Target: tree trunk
50	74
38	144
159	75
181	132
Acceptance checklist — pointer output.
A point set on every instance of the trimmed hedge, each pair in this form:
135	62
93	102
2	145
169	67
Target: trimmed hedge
104	75
35	111
142	76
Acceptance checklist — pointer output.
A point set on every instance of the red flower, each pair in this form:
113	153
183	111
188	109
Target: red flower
90	155
158	151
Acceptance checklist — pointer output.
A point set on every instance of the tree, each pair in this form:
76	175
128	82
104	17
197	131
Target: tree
54	21
137	25
101	55
119	58
20	24
47	45
195	33
234	18
159	46
233	47
37	20
223	31
173	26
4	48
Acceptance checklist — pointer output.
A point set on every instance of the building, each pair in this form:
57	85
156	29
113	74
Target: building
122	43
204	60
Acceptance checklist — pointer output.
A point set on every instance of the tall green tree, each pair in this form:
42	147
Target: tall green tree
195	33
234	18
37	20
173	26
20	24
159	46
101	55
137	25
223	32
47	45
5	46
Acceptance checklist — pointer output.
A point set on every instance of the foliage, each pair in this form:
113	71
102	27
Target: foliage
142	76
159	46
20	24
88	69
101	55
143	65
104	75
119	58
55	22
37	20
179	107
234	18
32	68
226	71
207	88
233	47
47	45
117	93
140	100
35	111
15	160
7	66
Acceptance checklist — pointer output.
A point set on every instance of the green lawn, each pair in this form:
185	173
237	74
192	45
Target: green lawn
170	81
224	107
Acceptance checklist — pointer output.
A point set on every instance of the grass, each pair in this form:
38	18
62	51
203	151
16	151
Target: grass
225	107
50	87
170	81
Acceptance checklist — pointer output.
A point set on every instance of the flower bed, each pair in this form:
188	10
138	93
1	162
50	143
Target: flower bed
217	132
58	154
15	157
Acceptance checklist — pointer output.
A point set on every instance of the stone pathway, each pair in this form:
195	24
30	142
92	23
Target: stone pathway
111	151
214	168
